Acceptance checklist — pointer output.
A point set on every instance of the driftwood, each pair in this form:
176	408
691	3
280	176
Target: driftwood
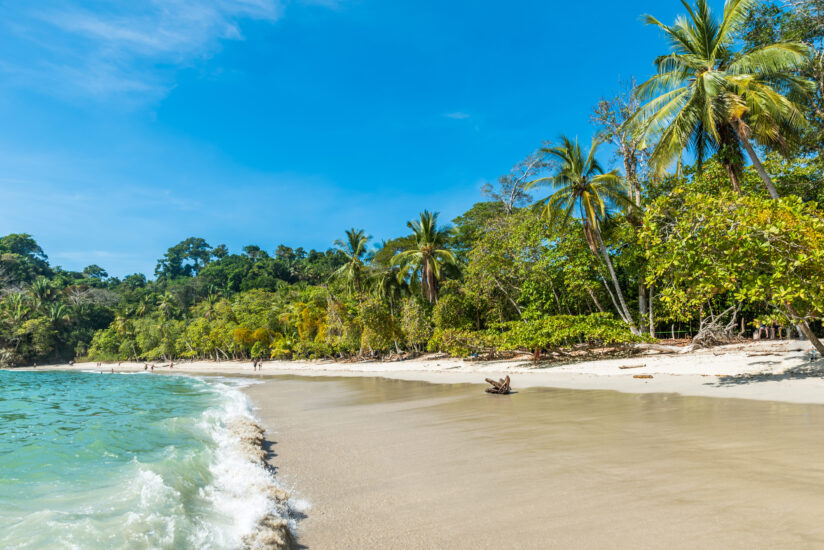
499	387
665	349
633	367
642	376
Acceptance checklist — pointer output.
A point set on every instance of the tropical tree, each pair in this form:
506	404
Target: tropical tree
429	254
354	248
708	97
582	184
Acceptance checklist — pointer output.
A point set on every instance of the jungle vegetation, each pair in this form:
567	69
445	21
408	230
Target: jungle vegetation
693	212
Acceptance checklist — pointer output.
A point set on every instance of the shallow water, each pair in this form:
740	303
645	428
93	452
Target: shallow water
448	466
111	461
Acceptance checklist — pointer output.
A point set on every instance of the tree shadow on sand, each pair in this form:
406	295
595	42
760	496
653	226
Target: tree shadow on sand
813	369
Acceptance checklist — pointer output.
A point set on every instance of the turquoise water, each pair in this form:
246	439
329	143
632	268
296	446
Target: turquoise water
91	460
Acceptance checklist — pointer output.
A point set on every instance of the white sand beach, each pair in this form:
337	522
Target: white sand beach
765	370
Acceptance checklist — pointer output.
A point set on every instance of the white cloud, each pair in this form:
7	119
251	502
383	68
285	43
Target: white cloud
108	48
458	115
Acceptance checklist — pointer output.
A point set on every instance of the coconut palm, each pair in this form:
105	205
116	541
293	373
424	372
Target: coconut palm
707	97
582	184
429	255
354	248
389	285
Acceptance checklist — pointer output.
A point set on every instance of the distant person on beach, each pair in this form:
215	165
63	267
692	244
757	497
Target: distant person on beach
145	366
254	365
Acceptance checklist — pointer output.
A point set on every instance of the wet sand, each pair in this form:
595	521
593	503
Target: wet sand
403	464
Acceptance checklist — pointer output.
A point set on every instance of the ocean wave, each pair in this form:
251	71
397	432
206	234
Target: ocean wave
256	511
99	463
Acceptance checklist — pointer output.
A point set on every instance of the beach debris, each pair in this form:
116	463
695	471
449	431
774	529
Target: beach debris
642	376
500	387
633	366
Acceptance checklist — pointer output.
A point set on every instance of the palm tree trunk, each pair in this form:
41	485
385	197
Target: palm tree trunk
745	141
429	283
617	286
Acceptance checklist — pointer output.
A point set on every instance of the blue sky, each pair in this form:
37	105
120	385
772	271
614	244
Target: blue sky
127	129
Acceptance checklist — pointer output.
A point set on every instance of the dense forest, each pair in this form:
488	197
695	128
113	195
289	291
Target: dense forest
693	213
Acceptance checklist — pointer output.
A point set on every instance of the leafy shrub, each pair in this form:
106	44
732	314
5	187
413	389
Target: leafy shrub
415	323
459	342
562	331
454	310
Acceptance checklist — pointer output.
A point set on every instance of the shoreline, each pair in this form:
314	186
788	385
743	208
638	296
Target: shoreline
765	371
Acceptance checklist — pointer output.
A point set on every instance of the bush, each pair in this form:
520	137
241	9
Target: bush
415	323
562	331
454	310
548	333
459	342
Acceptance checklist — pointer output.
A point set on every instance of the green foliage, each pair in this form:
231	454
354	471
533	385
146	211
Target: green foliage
562	331
455	310
458	342
416	325
380	329
754	249
541	335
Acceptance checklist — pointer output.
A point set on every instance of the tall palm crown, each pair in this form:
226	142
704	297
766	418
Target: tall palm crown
707	97
354	248
581	183
429	255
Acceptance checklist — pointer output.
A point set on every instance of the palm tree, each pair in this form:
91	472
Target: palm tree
429	254
41	291
389	285
706	97
354	248
581	183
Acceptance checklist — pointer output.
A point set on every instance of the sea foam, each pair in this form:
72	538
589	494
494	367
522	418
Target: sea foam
244	490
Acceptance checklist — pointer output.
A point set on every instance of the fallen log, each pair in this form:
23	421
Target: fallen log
632	367
500	387
665	349
642	376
